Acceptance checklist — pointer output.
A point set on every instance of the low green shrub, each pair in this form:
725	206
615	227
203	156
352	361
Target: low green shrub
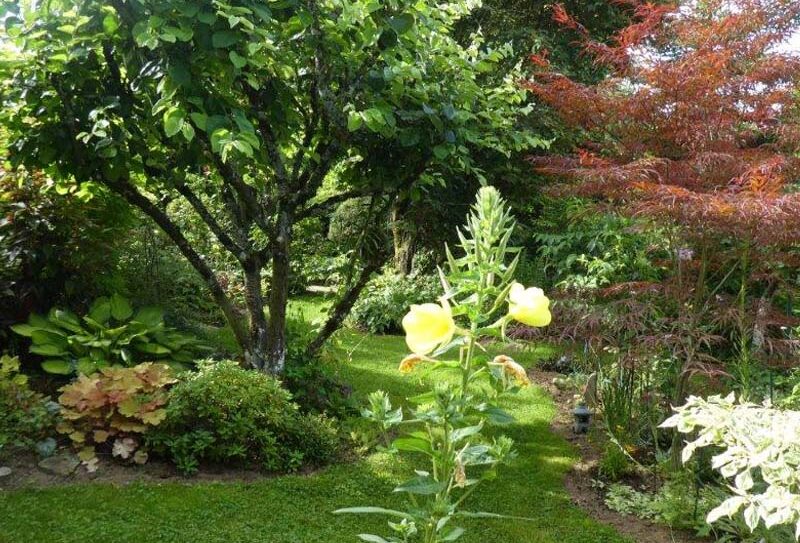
614	463
681	504
313	381
385	300
110	334
26	417
226	414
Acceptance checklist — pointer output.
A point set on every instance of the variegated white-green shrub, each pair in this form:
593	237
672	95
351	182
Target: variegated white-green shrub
760	456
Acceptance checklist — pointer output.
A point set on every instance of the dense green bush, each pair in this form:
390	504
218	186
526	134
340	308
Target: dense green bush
25	416
55	247
581	248
385	300
226	414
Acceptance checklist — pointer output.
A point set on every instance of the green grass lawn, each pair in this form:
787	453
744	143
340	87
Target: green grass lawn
297	509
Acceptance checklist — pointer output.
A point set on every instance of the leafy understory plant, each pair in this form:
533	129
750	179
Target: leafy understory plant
446	425
110	334
760	456
112	409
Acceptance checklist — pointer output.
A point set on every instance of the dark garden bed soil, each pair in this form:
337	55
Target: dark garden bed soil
580	481
26	472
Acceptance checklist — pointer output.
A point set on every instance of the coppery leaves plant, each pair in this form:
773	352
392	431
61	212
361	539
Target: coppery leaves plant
113	408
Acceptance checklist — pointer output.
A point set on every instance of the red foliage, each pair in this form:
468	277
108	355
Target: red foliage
697	125
697	121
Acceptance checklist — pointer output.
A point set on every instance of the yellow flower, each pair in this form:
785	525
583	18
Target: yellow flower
529	305
512	368
427	326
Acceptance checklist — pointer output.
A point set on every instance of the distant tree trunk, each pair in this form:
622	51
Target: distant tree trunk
279	295
404	239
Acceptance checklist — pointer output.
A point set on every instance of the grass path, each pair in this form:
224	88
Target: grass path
297	509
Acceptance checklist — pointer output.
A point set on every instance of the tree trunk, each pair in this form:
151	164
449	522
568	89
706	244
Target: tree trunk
279	296
403	241
256	352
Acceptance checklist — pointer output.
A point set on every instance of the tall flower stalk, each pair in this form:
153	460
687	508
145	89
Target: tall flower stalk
446	425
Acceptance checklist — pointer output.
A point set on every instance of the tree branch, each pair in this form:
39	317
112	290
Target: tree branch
140	201
343	306
324	206
210	221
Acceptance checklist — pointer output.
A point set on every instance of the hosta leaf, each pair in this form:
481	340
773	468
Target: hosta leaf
372	538
66	320
120	308
47	350
23	329
100	311
152	348
58	367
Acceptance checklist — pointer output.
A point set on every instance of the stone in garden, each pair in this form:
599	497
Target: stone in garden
5	471
63	463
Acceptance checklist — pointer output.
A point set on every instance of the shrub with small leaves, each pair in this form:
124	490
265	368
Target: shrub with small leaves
25	417
227	414
112	409
385	301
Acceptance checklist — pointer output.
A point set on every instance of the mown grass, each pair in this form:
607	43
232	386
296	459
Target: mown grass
297	509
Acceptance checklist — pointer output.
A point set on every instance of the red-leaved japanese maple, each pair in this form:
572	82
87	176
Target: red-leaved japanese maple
697	126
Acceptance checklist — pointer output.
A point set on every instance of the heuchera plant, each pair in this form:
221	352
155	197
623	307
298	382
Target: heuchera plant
113	408
446	424
760	456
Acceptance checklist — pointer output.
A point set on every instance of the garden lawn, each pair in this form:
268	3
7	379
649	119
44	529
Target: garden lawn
297	509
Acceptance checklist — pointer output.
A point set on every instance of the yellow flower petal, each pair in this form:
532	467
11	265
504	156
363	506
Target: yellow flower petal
427	326
529	306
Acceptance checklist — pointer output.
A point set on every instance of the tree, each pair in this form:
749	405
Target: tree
697	129
244	109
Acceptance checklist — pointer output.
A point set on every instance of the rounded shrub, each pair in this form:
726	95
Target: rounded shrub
386	299
226	414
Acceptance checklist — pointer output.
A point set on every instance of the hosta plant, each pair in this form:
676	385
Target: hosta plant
446	425
110	334
759	453
112	409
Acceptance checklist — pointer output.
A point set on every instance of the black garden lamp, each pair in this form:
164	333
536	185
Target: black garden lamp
583	419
